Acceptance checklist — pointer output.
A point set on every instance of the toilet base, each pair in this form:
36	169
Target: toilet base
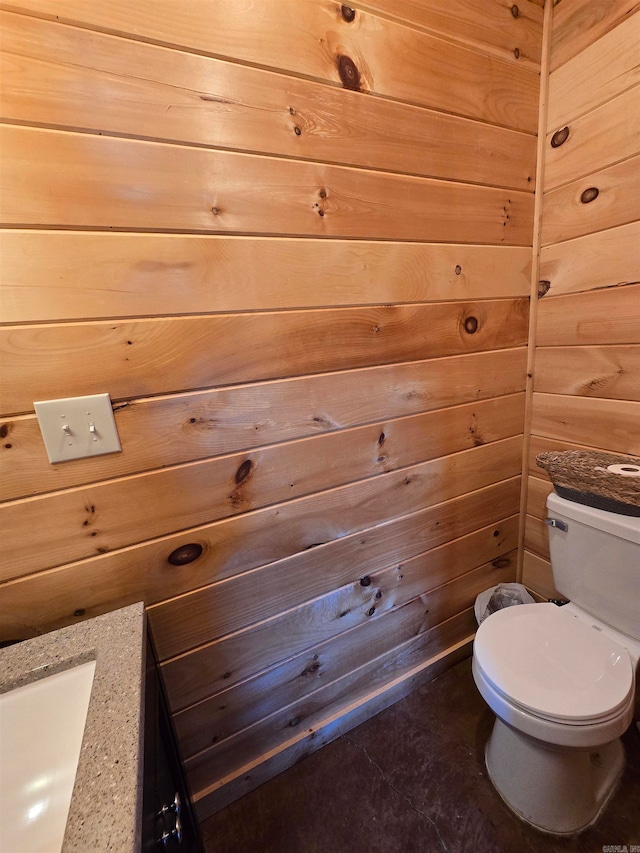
556	789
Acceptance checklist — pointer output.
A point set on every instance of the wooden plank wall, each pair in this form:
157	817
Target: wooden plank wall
587	360
293	241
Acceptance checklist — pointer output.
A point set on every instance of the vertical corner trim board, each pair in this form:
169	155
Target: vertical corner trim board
295	248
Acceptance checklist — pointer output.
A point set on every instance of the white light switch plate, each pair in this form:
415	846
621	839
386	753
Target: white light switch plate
77	427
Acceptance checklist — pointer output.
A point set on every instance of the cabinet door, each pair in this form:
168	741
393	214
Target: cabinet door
168	822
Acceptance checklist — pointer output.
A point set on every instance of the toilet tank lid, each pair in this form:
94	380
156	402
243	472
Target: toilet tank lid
624	526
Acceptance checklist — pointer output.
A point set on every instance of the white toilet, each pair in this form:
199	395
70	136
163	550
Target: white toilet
561	680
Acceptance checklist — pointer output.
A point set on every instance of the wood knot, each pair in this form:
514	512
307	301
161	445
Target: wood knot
543	288
79	612
560	137
185	554
516	52
501	563
471	325
349	74
381	439
4	430
458	269
365	581
348	13
589	195
515	11
297	131
371	611
243	471
216	211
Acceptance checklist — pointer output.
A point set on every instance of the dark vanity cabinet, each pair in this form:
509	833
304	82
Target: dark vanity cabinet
168	821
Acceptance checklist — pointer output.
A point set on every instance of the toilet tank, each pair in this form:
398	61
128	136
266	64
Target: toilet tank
596	562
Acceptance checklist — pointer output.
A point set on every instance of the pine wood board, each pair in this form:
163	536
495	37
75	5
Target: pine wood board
58	178
225	791
610	316
159	356
577	24
80	523
199	424
601	138
223	758
44	274
598	73
222	608
604	259
52	599
536	537
215	666
57	76
610	424
565	216
538	492
242	705
309	40
490	27
606	371
537	576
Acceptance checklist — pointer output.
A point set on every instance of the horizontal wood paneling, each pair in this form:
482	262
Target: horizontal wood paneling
539	491
55	75
54	598
611	371
567	216
579	23
600	138
446	646
222	608
144	357
480	24
610	316
199	424
150	274
537	575
79	523
295	250
612	424
79	182
536	537
586	394
304	627
595	75
391	60
604	259
216	666
235	708
223	758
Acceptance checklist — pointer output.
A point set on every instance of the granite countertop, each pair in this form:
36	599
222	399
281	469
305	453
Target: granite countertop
106	806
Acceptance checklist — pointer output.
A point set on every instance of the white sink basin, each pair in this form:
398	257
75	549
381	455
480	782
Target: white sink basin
41	729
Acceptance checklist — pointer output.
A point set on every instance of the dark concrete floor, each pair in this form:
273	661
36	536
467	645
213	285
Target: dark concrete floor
410	779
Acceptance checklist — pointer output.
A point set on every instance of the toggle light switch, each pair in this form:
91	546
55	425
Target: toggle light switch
77	427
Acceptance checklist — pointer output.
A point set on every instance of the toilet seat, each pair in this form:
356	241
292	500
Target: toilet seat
553	666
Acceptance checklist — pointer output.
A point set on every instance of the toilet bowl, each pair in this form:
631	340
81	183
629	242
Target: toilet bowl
561	681
563	693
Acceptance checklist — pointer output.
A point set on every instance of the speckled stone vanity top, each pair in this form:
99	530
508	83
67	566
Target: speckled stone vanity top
106	807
